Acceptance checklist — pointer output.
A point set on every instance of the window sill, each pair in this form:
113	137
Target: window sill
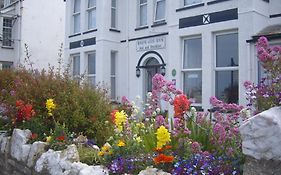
77	34
216	1
159	23
7	47
190	7
90	31
114	30
141	28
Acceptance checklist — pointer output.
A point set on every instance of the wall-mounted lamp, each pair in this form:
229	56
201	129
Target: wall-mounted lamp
138	72
163	70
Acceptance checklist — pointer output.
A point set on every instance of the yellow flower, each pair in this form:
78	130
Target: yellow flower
140	125
138	139
48	139
163	137
120	119
101	153
121	143
50	105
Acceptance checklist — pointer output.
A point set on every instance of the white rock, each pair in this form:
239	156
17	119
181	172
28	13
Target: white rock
95	170
19	150
261	135
71	153
37	148
153	171
4	144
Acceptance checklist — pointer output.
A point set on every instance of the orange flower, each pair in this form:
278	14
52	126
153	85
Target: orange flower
160	150
181	105
34	136
162	158
112	114
60	138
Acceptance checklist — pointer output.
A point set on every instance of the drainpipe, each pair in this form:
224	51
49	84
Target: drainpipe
20	7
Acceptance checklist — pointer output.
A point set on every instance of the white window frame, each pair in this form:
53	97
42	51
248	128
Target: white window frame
10	28
89	10
184	70
139	13
116	15
191	4
155	11
87	66
74	14
216	69
72	56
113	74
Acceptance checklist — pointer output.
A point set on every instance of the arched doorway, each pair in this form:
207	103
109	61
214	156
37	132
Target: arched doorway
151	68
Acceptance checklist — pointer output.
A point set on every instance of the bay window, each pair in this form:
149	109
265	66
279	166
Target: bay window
91	14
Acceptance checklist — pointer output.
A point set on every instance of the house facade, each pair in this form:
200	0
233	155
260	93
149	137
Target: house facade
205	46
36	24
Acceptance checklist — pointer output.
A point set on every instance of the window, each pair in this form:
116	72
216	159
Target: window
113	75
7	32
160	9
91	11
76	16
226	69
91	60
6	65
192	68
114	14
76	65
191	2
143	12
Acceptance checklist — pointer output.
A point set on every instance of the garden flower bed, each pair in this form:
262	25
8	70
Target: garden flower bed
49	130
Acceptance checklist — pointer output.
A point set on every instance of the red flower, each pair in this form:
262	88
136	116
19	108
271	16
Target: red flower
34	136
162	158
19	103
181	105
112	114
24	111
60	138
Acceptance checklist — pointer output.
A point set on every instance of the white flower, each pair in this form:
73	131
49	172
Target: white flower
193	110
138	97
149	94
158	110
154	113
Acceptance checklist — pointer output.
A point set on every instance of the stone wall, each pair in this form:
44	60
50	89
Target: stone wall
261	143
19	158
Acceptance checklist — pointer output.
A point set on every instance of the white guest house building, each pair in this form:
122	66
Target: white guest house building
205	46
37	23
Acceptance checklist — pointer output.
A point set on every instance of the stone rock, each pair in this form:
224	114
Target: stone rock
19	150
153	171
76	167
261	135
261	167
96	170
50	161
4	144
71	153
37	149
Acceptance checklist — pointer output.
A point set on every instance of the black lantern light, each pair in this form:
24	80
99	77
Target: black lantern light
163	70
138	72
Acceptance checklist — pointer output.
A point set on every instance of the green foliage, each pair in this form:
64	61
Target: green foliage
88	155
80	107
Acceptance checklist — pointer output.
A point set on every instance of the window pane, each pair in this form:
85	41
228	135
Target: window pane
76	65
92	80
113	3
7	22
190	2
143	1
91	3
227	86
113	63
227	50
193	85
143	15
113	88
76	6
92	19
192	53
92	63
113	18
76	23
160	10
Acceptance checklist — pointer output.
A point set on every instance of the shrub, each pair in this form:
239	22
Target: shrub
80	108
